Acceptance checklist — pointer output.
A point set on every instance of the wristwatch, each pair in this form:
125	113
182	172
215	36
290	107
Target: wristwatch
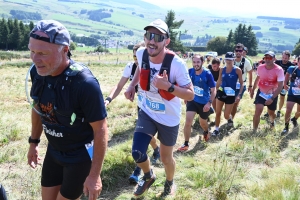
171	89
210	101
35	141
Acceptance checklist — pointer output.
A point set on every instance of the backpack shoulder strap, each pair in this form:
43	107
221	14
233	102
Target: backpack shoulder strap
74	69
166	64
132	71
145	60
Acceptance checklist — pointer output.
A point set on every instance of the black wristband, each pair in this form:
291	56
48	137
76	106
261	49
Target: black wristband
35	141
250	86
108	99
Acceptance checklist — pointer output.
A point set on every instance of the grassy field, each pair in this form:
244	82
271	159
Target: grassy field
239	166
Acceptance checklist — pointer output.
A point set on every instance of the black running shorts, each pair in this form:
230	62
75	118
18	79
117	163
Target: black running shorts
70	176
260	100
221	96
197	108
293	98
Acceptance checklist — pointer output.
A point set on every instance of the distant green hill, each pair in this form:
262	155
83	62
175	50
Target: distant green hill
111	18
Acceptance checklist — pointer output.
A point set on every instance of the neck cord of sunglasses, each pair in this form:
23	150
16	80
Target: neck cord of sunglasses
28	95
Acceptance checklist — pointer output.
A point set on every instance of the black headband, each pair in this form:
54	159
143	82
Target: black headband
35	36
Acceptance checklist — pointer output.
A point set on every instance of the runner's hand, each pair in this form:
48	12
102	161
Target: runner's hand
269	102
33	155
92	187
249	89
237	99
106	102
162	82
286	87
130	92
206	107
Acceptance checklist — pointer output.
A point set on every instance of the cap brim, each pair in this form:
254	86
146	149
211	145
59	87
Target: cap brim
158	28
269	55
229	58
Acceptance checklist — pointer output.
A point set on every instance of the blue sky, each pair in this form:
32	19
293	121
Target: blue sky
247	8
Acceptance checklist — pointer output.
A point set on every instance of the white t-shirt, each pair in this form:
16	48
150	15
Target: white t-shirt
247	68
172	109
127	70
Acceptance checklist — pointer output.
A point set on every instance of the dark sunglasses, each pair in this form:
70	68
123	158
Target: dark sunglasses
238	50
156	37
268	58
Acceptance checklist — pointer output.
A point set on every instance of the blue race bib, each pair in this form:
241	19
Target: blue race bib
265	96
198	91
229	91
90	149
155	105
296	90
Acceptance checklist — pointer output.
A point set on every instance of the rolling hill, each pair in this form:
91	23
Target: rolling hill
108	18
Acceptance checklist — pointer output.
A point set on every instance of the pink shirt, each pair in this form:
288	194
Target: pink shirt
269	78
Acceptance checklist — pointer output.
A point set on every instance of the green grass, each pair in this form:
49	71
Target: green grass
127	20
240	166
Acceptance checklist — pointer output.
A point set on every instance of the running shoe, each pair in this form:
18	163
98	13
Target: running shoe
169	190
278	114
215	133
144	184
230	123
294	121
285	130
272	125
266	115
183	148
3	195
155	157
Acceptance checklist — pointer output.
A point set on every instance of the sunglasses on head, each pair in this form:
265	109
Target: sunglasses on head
268	58
156	37
238	50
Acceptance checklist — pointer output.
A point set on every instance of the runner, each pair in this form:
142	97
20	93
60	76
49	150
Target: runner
270	82
159	102
245	52
292	74
205	92
215	70
128	74
246	68
69	108
285	64
226	84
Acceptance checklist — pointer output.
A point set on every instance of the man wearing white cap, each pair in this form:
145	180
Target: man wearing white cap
163	79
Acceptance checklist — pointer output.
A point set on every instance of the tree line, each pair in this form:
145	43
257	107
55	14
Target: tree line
20	14
14	34
242	34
